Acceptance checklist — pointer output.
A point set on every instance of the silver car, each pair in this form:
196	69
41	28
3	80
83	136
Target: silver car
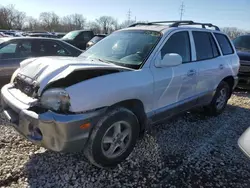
102	101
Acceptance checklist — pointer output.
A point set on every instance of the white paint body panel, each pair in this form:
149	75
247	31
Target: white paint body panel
155	87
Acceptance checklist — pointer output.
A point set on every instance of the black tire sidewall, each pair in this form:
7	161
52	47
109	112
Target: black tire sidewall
213	108
95	150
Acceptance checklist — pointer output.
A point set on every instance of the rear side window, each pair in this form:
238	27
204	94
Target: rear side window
203	45
224	43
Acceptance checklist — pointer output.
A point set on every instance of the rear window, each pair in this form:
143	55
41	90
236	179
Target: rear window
96	39
224	43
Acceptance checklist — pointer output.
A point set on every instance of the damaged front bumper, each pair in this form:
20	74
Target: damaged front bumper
57	132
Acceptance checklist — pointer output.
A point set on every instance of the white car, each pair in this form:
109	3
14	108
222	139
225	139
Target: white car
103	100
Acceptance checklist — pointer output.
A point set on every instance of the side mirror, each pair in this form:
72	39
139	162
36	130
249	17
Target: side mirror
170	60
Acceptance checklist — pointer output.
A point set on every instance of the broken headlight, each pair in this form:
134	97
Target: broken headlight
55	99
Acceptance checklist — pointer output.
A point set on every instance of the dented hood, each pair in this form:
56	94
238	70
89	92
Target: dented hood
45	70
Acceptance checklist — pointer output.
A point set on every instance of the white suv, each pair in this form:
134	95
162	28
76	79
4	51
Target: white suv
103	100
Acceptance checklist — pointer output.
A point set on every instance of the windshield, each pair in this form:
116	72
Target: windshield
126	48
71	35
242	42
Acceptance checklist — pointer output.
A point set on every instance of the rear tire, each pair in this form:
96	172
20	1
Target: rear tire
219	101
113	138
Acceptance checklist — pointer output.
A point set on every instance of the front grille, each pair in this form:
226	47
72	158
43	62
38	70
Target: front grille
25	86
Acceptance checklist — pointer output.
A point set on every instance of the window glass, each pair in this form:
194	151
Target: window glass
23	49
85	36
242	42
8	51
178	43
125	48
71	35
224	43
96	39
9	48
203	45
48	48
215	49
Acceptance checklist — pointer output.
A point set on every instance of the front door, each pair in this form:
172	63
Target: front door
175	87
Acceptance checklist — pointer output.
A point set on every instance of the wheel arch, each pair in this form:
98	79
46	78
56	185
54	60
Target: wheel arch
137	107
230	81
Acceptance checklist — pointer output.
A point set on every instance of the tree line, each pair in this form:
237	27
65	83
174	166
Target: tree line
11	18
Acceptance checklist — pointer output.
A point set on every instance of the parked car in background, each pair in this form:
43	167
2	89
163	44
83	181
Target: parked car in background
60	34
242	44
35	32
47	35
94	40
103	100
12	33
79	38
3	35
15	50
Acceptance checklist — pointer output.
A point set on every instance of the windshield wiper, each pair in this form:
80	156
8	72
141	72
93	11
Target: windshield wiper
105	61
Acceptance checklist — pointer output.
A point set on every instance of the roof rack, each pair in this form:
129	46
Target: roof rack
178	23
140	23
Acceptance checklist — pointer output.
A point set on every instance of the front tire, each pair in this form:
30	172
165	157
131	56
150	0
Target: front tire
113	138
219	101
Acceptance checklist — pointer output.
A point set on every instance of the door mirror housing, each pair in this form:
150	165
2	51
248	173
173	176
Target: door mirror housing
170	60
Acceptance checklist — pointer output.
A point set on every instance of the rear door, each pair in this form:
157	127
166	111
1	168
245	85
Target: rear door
210	64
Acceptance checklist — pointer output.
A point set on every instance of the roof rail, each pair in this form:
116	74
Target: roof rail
140	23
178	23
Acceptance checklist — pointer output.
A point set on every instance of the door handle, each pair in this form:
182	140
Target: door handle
221	66
191	72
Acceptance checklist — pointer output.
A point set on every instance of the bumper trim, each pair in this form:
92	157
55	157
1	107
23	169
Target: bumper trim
57	132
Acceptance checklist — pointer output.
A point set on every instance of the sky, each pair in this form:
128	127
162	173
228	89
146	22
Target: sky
224	13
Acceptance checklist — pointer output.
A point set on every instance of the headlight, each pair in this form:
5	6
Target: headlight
55	99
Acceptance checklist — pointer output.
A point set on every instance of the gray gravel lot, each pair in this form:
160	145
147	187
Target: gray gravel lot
187	151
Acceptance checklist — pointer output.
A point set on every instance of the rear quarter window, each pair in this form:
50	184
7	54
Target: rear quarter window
224	44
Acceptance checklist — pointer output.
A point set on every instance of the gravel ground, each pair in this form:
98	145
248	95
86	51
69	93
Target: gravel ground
187	151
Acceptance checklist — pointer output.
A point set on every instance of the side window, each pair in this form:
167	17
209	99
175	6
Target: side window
8	51
23	49
203	45
9	48
215	49
224	43
85	36
178	43
50	48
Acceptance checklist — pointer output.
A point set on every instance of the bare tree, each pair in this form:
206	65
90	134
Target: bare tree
73	22
233	32
106	23
10	18
32	24
94	26
49	20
